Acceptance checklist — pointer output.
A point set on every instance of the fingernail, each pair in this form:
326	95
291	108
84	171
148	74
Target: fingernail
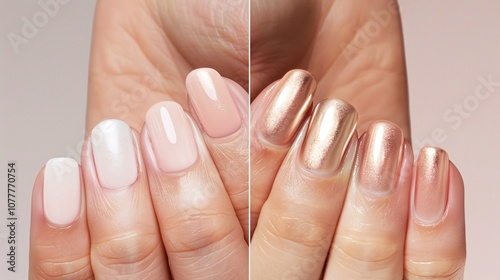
382	151
289	105
330	130
61	192
114	154
213	103
171	136
431	185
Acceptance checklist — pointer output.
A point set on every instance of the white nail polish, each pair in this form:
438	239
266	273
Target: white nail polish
114	154
61	192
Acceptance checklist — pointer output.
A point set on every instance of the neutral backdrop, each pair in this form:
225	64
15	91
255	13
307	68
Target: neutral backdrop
451	48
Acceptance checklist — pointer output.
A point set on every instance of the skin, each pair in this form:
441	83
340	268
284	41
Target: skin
130	70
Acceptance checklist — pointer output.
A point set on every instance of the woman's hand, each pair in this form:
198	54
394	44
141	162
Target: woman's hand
169	201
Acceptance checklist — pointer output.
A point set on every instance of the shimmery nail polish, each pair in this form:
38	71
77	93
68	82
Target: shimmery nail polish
288	107
330	130
381	156
61	192
431	185
172	137
114	154
213	103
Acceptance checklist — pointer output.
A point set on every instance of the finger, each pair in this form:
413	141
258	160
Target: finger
59	239
199	227
435	243
275	122
358	55
130	68
370	236
126	241
274	49
298	220
217	38
220	108
140	56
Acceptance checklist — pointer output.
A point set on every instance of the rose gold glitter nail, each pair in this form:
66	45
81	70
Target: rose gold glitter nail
287	109
332	126
431	184
382	151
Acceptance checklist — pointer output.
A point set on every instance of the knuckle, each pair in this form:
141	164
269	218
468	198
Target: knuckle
451	269
200	231
369	254
296	228
137	248
79	268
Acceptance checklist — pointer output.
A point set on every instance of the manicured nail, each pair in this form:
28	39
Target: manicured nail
381	158
171	136
330	130
431	185
213	103
288	107
114	154
61	192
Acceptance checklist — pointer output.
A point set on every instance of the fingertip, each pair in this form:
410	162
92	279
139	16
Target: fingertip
436	248
37	216
59	241
456	206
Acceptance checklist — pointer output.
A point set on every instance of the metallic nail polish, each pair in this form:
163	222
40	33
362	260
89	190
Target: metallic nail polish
289	106
381	156
431	185
330	130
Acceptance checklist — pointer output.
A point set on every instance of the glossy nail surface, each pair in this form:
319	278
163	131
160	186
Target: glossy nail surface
381	155
330	130
61	192
431	185
213	103
172	137
114	154
289	105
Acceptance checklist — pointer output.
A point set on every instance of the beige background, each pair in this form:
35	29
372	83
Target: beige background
450	46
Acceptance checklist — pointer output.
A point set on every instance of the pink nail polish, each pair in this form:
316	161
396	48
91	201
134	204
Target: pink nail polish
171	136
61	192
213	103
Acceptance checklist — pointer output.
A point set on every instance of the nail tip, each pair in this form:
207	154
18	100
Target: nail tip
382	157
288	107
332	125
431	185
212	102
61	195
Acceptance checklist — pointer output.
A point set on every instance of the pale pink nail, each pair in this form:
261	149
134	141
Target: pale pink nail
213	103
172	137
114	154
61	192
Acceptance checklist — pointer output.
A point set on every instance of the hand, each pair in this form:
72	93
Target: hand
173	191
339	209
143	50
353	48
331	39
